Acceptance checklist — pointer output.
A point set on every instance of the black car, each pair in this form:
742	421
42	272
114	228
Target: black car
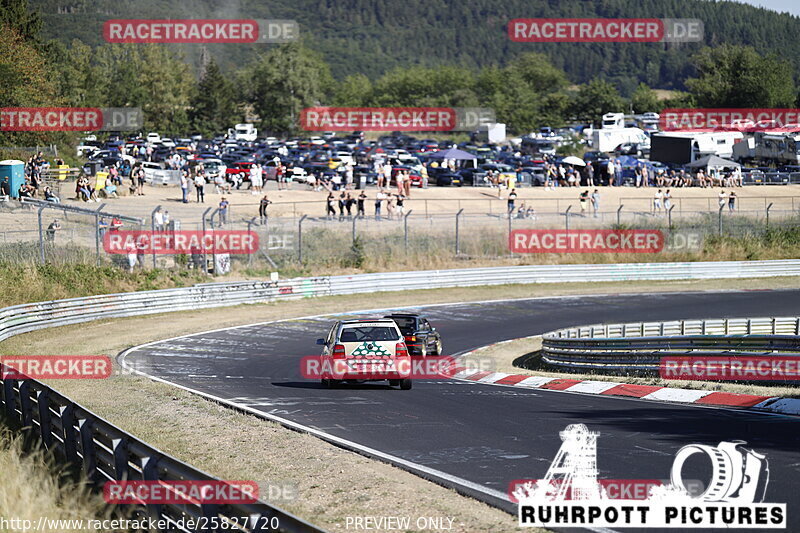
420	337
472	176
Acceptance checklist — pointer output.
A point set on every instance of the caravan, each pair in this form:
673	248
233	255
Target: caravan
243	132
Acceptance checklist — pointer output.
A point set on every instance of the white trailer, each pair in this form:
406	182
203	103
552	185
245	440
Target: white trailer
607	139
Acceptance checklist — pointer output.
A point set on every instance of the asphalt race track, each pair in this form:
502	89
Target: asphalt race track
489	434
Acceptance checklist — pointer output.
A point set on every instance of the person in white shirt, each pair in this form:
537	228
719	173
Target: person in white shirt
200	187
158	220
657	201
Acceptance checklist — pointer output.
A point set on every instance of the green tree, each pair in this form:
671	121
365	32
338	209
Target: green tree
25	82
213	106
284	81
14	14
644	100
737	76
596	98
353	91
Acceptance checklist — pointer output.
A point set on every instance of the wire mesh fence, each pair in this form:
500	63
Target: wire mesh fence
58	234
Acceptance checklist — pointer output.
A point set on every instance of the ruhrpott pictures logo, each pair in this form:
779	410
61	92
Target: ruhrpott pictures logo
734	498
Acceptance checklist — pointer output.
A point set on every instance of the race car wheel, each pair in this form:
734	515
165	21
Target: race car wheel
394	382
405	384
438	350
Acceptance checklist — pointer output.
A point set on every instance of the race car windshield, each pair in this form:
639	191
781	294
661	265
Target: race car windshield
369	334
405	324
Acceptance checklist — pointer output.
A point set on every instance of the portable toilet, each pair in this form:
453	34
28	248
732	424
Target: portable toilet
12	177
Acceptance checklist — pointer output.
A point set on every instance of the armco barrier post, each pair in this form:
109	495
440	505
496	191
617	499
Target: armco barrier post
619	214
768	208
458	244
669	216
153	228
41	235
300	238
719	228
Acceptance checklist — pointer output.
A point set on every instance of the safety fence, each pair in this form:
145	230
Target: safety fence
637	348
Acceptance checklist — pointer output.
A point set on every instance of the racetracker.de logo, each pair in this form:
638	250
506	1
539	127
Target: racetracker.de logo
55	366
188	31
395	118
180	492
735	368
181	242
724	119
413	367
605	30
597	241
71	119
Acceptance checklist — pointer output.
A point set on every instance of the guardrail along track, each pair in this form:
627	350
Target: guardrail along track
638	347
104	452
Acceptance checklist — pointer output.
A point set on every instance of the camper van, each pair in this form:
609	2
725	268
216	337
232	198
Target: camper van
243	132
606	139
612	121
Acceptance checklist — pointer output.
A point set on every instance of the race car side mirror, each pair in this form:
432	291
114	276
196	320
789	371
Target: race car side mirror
321	342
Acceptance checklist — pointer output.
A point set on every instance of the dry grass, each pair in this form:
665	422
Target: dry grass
504	355
235	446
33	488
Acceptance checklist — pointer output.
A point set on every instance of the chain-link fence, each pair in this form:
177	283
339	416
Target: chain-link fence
54	233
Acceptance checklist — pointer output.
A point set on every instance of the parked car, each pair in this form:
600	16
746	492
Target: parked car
416	177
240	170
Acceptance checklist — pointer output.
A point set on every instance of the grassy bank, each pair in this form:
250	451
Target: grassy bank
34	487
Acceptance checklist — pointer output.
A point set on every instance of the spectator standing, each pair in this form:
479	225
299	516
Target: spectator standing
360	204
262	209
589	175
611	169
596	202
184	187
158	220
401	205
512	197
667	201
330	206
618	171
721	198
348	204
223	211
140	182
732	202
342	201
379	197
200	188
645	176
657	201
584	200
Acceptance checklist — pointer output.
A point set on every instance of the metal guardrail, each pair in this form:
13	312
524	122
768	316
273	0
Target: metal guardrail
104	452
107	452
638	347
